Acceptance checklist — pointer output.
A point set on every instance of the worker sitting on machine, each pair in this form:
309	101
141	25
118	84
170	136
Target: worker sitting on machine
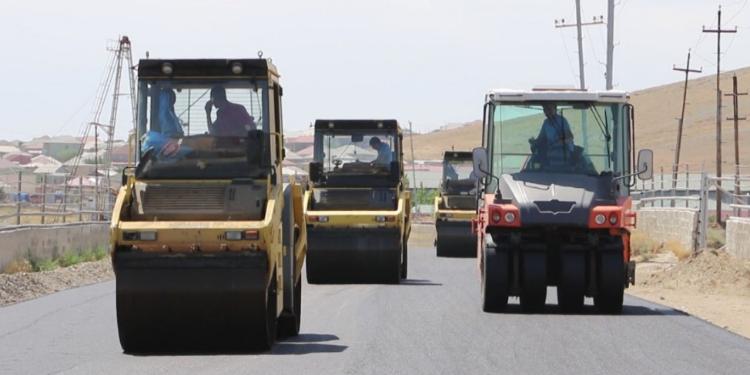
232	119
385	155
554	148
165	143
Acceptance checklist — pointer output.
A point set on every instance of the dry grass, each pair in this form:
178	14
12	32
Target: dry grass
18	265
644	248
716	237
36	264
679	251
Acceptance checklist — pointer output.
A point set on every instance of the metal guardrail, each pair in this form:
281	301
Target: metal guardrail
689	198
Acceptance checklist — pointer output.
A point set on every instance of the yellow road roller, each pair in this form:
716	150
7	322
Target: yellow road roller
357	208
207	240
456	206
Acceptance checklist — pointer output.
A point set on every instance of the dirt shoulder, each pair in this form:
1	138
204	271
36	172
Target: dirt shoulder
22	286
711	285
422	235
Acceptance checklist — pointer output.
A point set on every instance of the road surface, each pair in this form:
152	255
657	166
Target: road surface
431	324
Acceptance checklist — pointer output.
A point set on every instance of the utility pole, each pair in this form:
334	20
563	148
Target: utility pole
610	41
687	71
413	164
96	170
718	31
578	25
735	101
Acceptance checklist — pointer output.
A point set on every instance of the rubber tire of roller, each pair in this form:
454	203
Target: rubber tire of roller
495	279
404	260
289	321
289	324
571	285
533	281
611	287
271	319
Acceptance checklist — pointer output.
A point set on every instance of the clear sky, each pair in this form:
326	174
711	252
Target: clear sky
426	61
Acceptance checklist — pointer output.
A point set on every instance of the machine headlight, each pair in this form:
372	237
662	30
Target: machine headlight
510	217
496	217
613	218
139	236
600	219
148	236
233	235
236	68
167	68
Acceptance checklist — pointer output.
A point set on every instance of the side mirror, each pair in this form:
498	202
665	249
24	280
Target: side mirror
316	171
645	164
479	157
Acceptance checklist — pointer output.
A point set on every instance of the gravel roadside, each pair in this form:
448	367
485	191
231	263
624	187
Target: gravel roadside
22	286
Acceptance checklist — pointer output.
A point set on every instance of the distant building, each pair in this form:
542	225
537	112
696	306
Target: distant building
8	149
62	148
20	158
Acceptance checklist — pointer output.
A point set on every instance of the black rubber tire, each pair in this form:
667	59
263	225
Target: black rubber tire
266	342
495	279
289	320
611	283
405	260
289	324
533	281
571	284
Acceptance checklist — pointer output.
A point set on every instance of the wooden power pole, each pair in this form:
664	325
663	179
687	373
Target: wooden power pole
561	23
687	71
735	105
718	31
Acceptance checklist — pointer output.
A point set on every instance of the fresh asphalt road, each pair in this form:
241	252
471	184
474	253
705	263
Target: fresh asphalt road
431	324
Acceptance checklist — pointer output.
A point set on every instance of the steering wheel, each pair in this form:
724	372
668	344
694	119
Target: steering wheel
337	163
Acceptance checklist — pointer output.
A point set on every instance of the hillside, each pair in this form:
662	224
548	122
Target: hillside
657	110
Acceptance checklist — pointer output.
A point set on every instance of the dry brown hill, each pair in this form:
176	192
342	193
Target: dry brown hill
430	146
657	110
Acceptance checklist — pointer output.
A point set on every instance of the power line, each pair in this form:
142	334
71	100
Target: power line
596	21
567	56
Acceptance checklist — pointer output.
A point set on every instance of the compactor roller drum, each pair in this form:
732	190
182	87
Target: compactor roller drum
556	213
354	256
358	207
455	207
208	240
194	302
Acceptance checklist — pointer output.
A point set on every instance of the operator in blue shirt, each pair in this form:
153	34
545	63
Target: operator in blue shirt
555	139
385	155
